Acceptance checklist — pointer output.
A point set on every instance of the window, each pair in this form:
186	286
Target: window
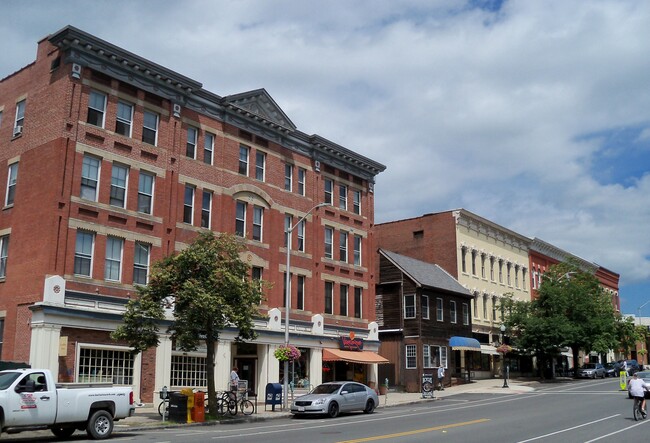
343	246
188	370
343	197
2	333
426	356
523	278
288	221
301	236
343	300
465	314
150	128
302	173
141	263
439	313
356	201
494	308
256	274
438	356
475	299
482	265
284	291
288	177
260	164
206	206
258	217
425	307
452	312
492	268
409	306
329	297
4	254
329	191
357	250
12	176
124	120
119	177
358	302
208	148
473	262
83	254
243	159
89	178
190	147
329	240
105	365
500	271
508	268
300	296
411	357
240	219
145	192
188	205
113	264
96	108
463	258
20	117
485	306
516	276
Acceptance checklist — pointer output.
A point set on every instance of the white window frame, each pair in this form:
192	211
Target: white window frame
425	307
260	165
358	302
343	197
453	313
127	122
4	255
426	356
12	178
344	297
288	177
300	292
343	246
465	314
20	114
328	186
97	112
85	253
140	265
206	209
106	373
357	240
113	261
411	356
302	175
208	148
145	194
258	223
150	127
329	243
244	155
192	140
356	201
440	314
329	298
301	236
288	222
119	183
240	219
188	204
409	305
90	174
188	369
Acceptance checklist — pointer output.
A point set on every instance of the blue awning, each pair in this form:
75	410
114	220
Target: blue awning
464	344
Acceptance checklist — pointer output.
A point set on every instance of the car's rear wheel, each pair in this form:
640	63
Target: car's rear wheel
333	410
370	406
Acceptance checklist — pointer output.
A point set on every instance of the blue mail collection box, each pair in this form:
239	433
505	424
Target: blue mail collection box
273	395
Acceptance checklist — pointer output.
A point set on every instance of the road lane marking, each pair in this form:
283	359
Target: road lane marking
569	429
619	431
417	431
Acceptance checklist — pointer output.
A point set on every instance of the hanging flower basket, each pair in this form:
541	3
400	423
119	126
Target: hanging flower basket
287	353
504	349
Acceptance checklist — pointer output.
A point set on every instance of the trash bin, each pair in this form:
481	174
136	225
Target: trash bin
198	411
273	395
177	407
189	393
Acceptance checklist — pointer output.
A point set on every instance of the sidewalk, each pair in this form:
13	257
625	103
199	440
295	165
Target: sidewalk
147	417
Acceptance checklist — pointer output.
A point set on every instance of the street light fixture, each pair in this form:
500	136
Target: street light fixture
287	302
503	362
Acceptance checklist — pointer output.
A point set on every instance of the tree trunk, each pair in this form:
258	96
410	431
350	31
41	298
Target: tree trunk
209	371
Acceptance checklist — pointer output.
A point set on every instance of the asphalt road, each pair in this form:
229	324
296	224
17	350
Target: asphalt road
574	411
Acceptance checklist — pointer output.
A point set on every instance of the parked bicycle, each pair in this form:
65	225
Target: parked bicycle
231	402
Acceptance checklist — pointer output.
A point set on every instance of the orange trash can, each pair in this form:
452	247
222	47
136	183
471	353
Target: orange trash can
198	411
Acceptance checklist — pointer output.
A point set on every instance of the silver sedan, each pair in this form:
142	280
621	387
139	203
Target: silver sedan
335	397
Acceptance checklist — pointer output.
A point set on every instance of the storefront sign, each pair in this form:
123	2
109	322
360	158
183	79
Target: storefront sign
351	344
427	385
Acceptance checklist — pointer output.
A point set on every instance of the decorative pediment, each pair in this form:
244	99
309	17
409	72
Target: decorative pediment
260	104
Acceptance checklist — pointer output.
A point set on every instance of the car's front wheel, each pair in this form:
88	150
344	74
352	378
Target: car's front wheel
333	410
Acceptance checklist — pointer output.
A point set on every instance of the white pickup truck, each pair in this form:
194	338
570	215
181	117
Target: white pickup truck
30	400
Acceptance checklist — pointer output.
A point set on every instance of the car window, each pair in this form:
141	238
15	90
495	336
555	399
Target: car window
352	387
7	378
326	389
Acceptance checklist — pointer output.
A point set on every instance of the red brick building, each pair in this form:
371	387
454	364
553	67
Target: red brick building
112	162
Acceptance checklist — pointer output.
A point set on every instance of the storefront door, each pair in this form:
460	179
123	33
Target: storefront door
248	371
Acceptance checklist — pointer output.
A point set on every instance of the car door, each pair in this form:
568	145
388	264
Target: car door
32	402
349	397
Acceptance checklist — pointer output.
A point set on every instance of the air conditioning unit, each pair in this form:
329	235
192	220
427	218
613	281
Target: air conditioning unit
317	166
371	188
18	130
177	110
76	71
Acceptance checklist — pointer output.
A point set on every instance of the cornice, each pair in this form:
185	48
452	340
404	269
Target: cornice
490	229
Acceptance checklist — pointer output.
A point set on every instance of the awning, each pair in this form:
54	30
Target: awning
464	344
353	356
489	350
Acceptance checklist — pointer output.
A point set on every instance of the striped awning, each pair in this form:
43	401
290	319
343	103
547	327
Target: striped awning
489	350
464	344
353	356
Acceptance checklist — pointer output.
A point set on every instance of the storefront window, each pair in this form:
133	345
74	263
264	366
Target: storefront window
299	369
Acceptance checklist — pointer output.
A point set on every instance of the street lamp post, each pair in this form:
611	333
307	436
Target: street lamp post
503	362
287	302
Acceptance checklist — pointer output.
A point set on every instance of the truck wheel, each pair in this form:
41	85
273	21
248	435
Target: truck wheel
100	425
62	431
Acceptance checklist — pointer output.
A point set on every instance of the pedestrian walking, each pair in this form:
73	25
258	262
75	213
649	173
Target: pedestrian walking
441	378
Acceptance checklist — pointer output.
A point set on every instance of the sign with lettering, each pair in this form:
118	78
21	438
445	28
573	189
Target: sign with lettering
351	344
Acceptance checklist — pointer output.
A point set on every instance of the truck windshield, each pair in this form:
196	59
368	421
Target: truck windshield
7	378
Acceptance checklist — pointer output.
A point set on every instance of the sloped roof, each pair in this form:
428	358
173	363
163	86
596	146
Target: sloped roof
261	104
426	274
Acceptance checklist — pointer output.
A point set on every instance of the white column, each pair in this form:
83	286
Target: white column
316	367
222	365
163	364
273	367
44	348
373	374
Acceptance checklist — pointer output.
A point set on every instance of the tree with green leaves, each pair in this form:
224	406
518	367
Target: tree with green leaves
571	310
208	288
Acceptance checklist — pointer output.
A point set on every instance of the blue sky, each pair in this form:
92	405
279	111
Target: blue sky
533	114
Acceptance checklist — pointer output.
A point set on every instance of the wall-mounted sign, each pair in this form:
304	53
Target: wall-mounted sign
351	343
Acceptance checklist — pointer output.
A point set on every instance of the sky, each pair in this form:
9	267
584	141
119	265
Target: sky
532	114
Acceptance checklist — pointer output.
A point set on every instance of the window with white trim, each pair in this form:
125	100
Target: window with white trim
356	201
188	370
329	297
473	262
465	314
206	209
491	268
343	246
508	269
208	148
124	120
119	180
357	250
453	314
329	191
258	219
439	311
141	257
301	236
426	356
288	177
12	178
150	128
260	165
343	197
300	292
425	307
409	306
438	356
90	178
244	152
329	242
190	146
411	357
4	255
288	222
96	108
240	219
145	192
105	365
113	263
188	204
302	174
463	259
485	306
83	255
523	278
20	116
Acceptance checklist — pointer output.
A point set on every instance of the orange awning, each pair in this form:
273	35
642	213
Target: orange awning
353	356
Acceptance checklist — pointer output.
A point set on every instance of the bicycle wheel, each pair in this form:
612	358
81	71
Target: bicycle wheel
247	407
163	407
637	409
232	407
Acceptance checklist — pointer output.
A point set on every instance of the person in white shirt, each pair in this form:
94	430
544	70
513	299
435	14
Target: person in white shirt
234	379
636	388
441	378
